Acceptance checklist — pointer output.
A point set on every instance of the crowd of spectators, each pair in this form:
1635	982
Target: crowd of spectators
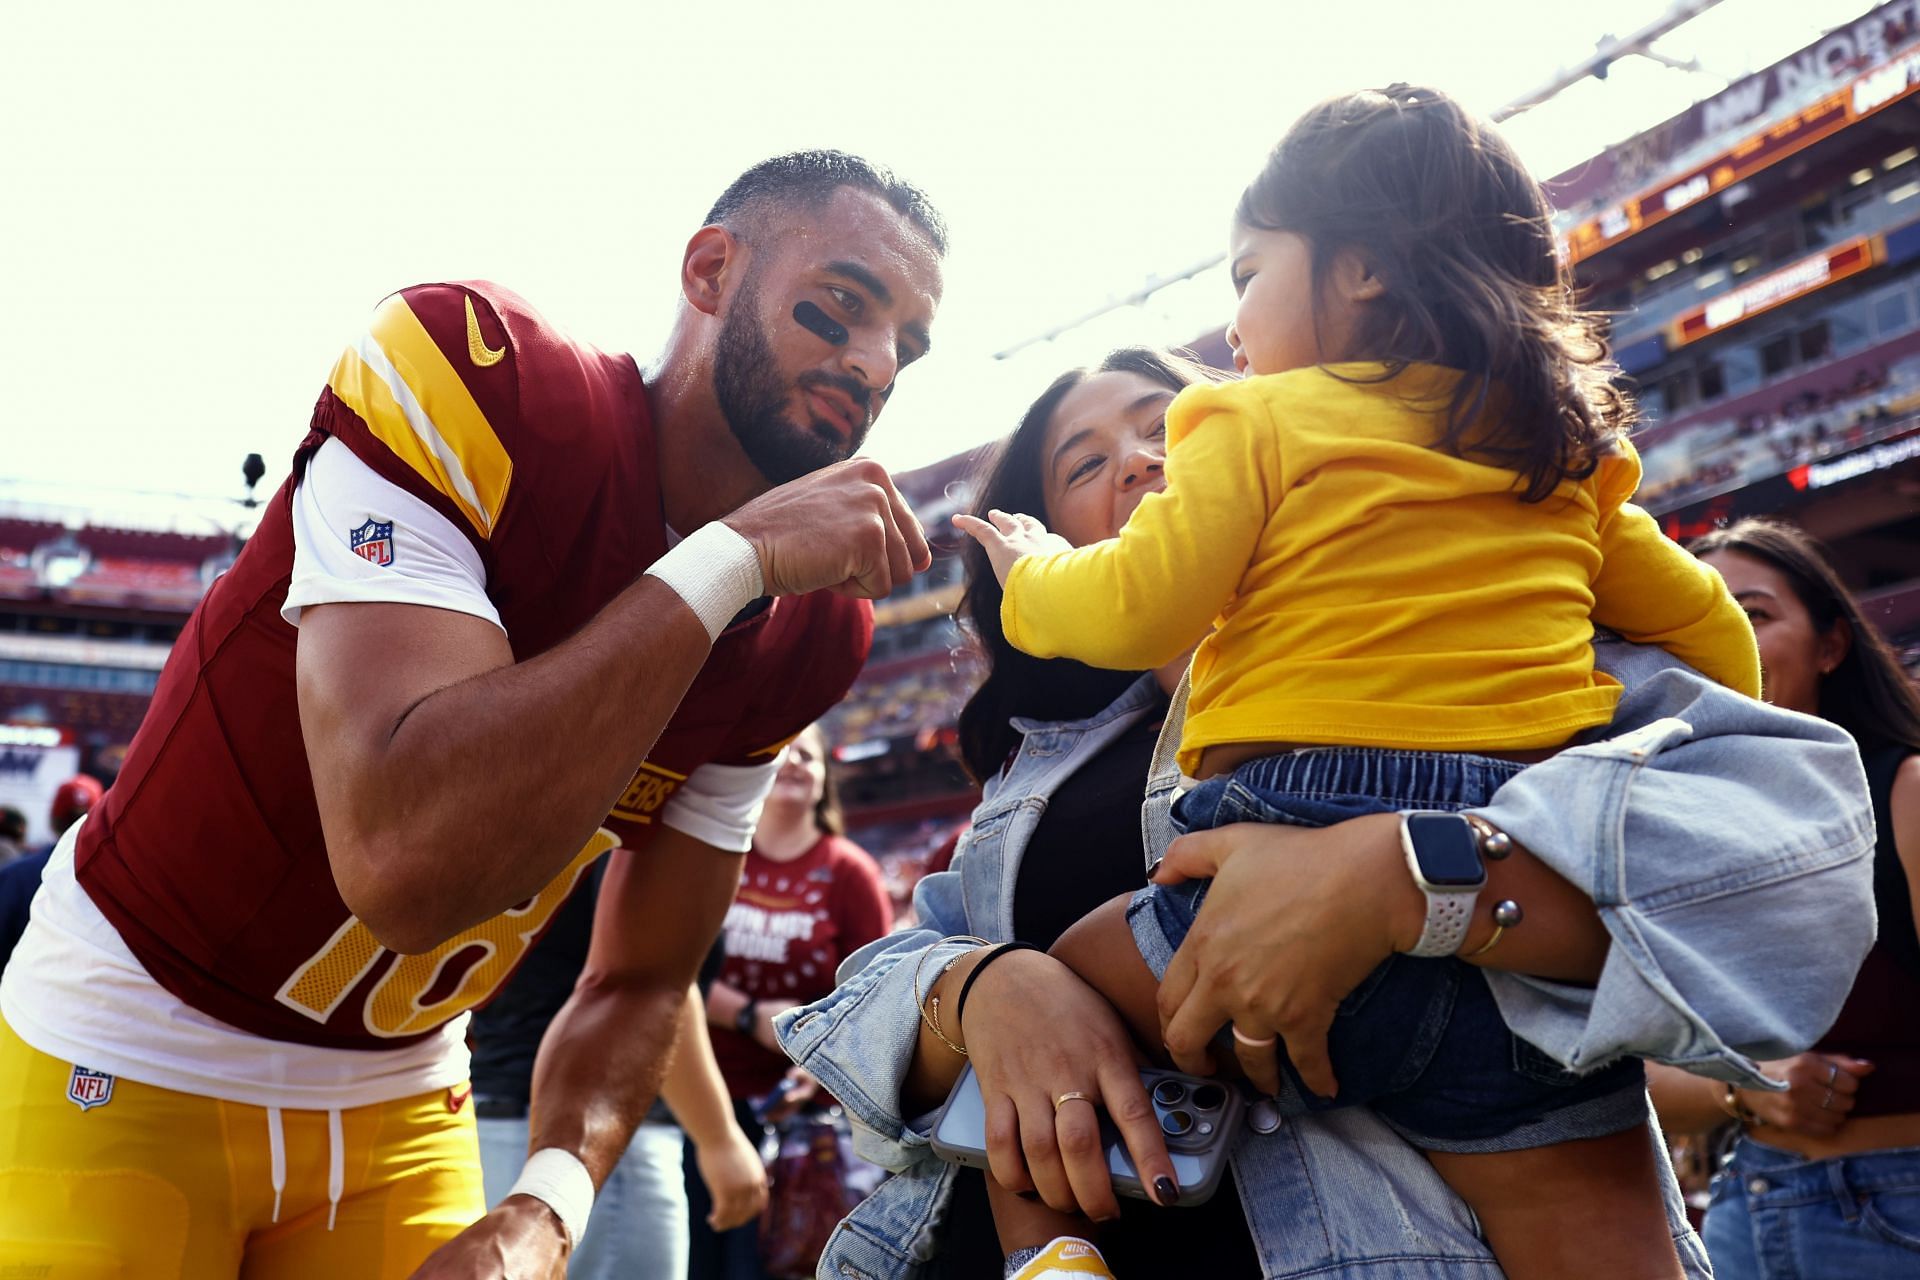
1809	426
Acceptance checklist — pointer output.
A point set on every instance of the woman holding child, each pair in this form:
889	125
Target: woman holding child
1427	255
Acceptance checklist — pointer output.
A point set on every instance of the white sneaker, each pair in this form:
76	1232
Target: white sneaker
1064	1258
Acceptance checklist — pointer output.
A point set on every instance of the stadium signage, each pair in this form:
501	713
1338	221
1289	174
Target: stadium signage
1795	280
30	735
1873	91
1818	475
1812	70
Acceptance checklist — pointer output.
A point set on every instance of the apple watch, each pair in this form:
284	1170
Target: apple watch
1443	853
743	1021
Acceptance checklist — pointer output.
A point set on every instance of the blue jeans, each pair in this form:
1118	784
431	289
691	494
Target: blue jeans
1420	1041
1775	1215
639	1222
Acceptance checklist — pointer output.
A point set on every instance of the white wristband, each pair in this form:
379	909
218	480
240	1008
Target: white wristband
558	1179
716	571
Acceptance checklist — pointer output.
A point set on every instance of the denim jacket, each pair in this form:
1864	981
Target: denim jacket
1728	845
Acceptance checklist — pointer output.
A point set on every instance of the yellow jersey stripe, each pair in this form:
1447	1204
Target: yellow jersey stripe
463	456
364	391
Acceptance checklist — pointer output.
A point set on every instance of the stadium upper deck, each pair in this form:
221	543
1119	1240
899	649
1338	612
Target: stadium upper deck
1761	254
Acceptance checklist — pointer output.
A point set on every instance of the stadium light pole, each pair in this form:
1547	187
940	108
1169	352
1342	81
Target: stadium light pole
1606	52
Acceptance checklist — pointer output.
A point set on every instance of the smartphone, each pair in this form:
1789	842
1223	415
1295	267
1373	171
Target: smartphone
1200	1119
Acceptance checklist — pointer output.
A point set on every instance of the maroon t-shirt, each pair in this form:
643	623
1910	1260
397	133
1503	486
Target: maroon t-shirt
789	928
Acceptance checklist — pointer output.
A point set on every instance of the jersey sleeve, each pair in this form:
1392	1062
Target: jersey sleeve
1652	591
359	537
428	398
719	804
1140	600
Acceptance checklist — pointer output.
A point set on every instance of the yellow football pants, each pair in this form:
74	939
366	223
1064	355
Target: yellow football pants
157	1185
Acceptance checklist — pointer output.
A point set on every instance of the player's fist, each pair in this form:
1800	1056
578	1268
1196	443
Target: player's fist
522	1239
843	528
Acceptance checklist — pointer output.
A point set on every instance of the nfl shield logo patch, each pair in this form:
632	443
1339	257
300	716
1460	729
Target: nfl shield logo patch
89	1089
373	541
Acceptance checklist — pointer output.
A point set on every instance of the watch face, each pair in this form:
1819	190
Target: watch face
1447	849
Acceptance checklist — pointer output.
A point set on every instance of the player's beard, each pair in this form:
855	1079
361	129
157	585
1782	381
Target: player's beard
752	398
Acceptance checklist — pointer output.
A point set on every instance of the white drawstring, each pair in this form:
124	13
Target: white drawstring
336	1165
336	1161
277	1156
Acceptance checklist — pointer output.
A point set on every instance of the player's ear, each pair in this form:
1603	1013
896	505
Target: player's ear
710	256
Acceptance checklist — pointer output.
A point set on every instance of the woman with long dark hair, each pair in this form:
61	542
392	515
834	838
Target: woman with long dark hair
1825	1176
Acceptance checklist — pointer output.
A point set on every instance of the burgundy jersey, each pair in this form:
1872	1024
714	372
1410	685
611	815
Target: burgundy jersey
207	854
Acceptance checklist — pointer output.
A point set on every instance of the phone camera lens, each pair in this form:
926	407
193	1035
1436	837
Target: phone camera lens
1169	1093
1209	1097
1177	1123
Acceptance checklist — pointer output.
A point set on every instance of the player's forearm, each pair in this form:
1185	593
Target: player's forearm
486	789
693	1087
601	1065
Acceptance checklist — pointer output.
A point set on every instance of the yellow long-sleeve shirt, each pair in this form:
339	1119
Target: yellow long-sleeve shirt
1366	589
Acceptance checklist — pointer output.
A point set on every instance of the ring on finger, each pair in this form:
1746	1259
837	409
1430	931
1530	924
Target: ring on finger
1833	1073
1071	1096
1826	1101
1253	1042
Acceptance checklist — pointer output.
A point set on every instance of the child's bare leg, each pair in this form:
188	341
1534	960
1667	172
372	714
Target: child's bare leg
1591	1206
1100	948
1030	1224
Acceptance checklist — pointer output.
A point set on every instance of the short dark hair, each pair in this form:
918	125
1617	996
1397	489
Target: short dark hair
810	178
13	823
1869	694
1016	683
1443	210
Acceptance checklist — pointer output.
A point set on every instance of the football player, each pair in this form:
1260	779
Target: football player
520	603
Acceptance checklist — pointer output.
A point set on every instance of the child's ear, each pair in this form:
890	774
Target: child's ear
1356	277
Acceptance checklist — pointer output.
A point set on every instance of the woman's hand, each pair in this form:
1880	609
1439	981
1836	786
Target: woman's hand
1035	1031
1007	537
797	1089
763	1014
735	1178
1820	1093
1296	918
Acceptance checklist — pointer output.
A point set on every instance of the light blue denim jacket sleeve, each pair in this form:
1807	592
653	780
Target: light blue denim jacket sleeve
1716	828
1718	835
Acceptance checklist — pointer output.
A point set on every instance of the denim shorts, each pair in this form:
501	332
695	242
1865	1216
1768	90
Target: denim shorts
1420	1041
1776	1215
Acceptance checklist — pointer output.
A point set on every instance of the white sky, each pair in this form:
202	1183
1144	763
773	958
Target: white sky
203	201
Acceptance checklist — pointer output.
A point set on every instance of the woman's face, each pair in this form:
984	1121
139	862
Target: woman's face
1794	654
803	771
1106	449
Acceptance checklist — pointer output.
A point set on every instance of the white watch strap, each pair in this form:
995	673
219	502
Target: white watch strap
1449	916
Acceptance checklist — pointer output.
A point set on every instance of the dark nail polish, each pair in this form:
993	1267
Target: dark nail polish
1164	1190
1153	867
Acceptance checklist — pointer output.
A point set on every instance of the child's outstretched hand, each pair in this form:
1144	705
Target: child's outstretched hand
1007	537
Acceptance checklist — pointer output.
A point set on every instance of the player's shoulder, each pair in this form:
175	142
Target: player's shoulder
461	388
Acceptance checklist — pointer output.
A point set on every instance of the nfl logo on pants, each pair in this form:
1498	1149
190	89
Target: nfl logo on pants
89	1089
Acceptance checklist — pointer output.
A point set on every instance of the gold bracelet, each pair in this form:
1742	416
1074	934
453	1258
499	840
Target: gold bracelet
1506	914
1731	1104
930	1006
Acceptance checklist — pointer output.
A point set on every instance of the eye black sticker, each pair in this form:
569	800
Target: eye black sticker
820	324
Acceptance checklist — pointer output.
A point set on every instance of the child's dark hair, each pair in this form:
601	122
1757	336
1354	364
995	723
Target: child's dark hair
1448	218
